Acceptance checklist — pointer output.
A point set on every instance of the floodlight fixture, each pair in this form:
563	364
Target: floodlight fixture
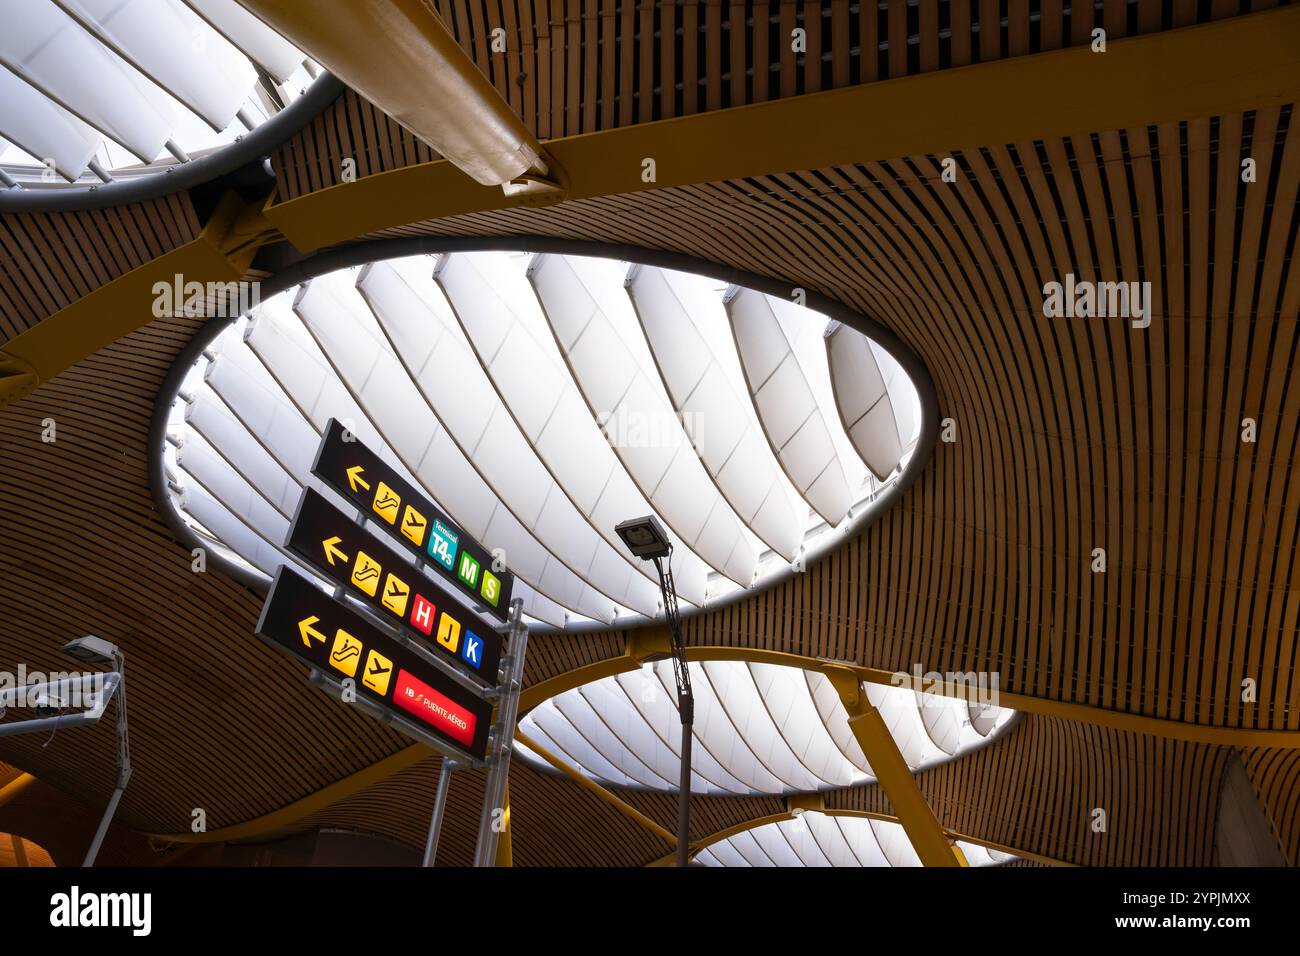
645	537
92	650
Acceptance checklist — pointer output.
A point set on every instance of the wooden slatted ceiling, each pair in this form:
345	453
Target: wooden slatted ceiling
577	66
49	260
1071	434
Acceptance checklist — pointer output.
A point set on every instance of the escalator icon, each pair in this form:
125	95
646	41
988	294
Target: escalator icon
345	653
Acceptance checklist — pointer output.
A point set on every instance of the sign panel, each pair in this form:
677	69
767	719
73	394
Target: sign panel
305	621
343	551
360	476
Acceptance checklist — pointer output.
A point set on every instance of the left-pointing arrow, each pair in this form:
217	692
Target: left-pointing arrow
307	632
332	550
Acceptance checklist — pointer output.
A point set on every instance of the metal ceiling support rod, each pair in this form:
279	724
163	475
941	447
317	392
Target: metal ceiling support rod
439	804
685	703
123	761
512	678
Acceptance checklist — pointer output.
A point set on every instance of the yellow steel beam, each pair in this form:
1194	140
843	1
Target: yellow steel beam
220	254
20	851
629	811
1235	64
15	786
892	772
399	55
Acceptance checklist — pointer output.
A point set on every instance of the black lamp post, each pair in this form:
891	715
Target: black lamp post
646	538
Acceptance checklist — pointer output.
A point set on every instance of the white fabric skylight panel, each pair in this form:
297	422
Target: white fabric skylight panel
44	46
715	731
786	699
700	390
262	45
581	711
983	717
898	708
200	460
783	846
172	46
864	404
232	532
557	733
613	383
902	395
894	842
453	383
250	392
942	718
387	394
830	839
44	129
569	443
224	432
787	406
736	692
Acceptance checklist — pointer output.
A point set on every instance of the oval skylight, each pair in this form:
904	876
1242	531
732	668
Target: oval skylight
539	400
759	729
822	839
106	88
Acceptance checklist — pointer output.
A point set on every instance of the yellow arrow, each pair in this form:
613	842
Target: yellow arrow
306	630
332	551
354	478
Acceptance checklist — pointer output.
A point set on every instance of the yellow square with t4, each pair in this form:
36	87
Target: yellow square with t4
365	575
345	654
442	545
378	672
386	503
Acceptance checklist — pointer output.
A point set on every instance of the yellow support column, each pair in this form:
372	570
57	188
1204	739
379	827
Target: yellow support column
895	776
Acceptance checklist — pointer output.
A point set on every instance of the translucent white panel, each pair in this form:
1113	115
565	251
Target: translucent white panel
863	401
788	410
44	129
823	839
224	432
249	391
168	43
614	384
232	532
43	45
263	45
202	462
698	386
902	395
529	379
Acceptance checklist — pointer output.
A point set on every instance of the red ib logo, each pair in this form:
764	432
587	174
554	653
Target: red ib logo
422	613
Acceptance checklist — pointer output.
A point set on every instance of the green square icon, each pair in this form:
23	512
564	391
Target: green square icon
491	589
467	570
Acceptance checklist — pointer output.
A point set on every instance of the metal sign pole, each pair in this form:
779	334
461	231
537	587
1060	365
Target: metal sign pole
499	759
439	804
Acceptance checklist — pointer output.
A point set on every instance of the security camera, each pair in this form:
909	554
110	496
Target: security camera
91	649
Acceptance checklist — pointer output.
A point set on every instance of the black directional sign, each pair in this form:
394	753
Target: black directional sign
308	623
327	539
360	476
